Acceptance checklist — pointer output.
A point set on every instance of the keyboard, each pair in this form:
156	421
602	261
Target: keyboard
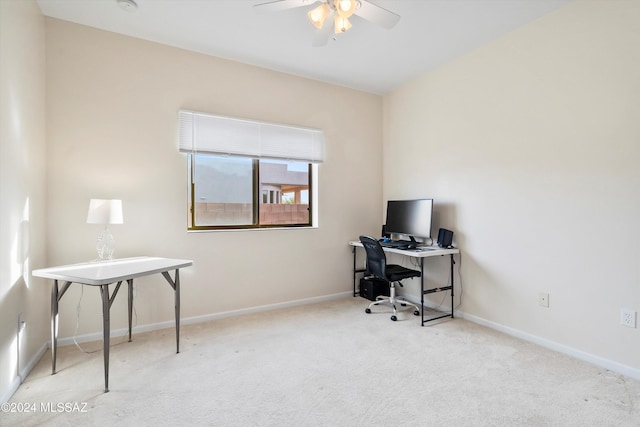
398	244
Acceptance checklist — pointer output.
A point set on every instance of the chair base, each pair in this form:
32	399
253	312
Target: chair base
392	300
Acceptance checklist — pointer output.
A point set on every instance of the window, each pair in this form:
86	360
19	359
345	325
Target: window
236	180
226	194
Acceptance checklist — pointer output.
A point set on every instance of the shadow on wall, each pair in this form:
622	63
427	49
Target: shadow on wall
10	337
445	216
13	296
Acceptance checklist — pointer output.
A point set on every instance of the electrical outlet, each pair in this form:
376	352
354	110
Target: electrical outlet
543	299
628	317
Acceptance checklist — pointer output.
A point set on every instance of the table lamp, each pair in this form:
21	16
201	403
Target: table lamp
105	212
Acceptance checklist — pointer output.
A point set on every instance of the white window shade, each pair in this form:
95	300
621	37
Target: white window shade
206	133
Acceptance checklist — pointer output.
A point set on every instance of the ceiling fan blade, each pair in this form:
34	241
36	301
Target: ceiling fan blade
278	5
324	34
377	14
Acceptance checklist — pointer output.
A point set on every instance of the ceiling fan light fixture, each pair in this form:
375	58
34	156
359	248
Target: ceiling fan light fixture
341	24
345	8
318	15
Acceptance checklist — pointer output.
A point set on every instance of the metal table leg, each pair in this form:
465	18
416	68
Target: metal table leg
175	284
422	291
354	271
56	295
106	333
452	276
177	303
54	325
437	289
130	283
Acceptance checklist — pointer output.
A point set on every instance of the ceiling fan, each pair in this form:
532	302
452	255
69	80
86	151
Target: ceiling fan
336	12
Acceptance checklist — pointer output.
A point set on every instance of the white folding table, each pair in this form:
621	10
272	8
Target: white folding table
103	274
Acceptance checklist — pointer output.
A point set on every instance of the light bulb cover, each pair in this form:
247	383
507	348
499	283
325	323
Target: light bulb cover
318	15
345	8
341	24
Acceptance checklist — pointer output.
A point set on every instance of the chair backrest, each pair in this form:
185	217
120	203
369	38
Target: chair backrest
376	259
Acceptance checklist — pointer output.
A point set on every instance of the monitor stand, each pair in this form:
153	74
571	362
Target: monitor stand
413	244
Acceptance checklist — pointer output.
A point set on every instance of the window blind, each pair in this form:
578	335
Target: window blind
206	133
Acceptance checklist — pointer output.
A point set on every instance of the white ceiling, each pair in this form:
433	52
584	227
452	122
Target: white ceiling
367	57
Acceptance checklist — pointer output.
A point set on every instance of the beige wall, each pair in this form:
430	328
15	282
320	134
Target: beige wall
112	125
22	189
531	148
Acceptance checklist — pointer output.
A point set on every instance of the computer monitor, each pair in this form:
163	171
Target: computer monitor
411	218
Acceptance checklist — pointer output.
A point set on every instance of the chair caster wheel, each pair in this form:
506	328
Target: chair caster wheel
367	310
394	318
416	313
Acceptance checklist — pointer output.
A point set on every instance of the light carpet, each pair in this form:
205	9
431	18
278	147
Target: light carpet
326	364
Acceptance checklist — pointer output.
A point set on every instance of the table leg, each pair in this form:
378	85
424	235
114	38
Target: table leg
106	333
130	283
354	271
54	325
452	277
175	284
422	291
177	301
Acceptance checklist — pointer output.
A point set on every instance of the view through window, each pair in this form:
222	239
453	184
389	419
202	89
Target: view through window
236	192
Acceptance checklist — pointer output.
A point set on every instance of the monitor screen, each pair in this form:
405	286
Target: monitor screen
410	217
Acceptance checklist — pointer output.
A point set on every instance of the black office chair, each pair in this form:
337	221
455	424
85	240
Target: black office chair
391	273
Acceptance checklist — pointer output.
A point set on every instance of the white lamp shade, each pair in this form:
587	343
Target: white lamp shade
105	211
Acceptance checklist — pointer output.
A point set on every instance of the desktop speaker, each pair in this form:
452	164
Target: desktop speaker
370	288
445	238
384	231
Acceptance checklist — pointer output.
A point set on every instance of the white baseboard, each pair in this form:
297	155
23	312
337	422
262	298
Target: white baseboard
33	362
13	387
543	342
19	379
560	348
200	319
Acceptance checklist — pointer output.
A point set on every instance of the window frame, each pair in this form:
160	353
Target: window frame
256	200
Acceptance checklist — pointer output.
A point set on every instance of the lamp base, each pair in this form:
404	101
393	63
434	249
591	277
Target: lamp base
105	245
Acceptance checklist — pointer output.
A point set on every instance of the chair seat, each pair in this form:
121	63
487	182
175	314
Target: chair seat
396	273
